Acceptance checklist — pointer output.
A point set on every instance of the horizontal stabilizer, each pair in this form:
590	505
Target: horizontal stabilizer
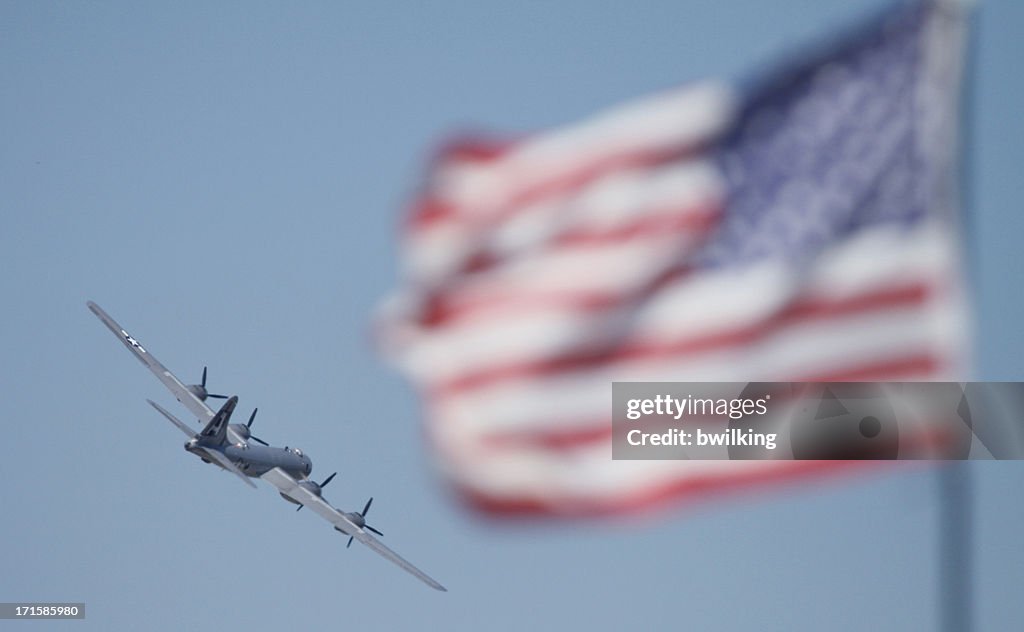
174	420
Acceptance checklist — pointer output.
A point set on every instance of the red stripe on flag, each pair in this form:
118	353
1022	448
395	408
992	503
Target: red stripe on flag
475	149
430	210
683	221
441	309
692	220
890	370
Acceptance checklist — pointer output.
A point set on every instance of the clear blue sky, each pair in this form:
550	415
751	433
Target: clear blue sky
226	179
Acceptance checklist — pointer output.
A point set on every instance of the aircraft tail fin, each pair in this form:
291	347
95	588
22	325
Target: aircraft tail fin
216	431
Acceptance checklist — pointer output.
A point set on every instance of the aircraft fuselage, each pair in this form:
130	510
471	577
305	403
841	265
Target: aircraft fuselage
255	460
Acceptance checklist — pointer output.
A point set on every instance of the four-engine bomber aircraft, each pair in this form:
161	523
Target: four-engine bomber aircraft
227	445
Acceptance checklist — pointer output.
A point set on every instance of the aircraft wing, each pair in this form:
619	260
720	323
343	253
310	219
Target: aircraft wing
195	405
290	487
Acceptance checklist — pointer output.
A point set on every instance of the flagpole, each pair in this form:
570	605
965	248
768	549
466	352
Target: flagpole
955	486
955	512
956	547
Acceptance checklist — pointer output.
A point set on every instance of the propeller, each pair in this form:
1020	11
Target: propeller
201	392
248	424
359	518
213	395
321	486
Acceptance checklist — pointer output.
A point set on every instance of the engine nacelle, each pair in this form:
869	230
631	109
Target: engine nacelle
357	518
310	486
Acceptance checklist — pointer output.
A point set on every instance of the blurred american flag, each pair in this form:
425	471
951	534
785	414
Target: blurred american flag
804	230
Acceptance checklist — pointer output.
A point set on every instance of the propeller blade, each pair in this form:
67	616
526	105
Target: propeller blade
369	528
258	440
327	480
367	507
300	508
203	382
349	541
215	396
252	417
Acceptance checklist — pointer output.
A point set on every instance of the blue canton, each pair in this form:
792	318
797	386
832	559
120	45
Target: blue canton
826	148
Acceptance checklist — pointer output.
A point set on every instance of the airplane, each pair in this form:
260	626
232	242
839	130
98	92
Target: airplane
227	446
